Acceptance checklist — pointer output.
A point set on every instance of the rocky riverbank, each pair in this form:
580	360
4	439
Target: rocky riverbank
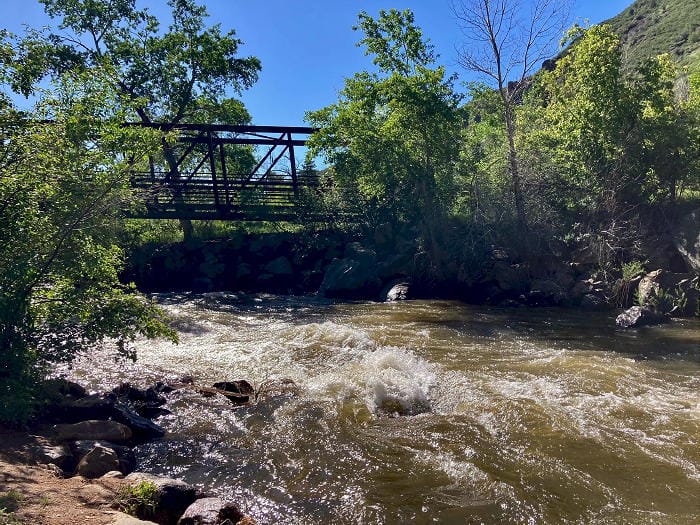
76	462
385	265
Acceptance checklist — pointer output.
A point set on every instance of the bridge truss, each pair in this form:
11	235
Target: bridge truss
224	172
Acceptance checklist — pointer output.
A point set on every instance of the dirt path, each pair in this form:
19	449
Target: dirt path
33	494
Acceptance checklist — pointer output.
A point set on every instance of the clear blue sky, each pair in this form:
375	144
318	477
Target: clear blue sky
307	47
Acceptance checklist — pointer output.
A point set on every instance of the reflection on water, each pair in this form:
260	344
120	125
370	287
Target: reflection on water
428	412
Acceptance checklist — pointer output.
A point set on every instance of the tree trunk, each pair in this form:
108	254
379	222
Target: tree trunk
171	159
516	185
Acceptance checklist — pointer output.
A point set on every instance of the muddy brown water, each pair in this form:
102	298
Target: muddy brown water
427	412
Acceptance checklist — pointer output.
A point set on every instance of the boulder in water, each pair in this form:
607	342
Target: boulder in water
235	387
211	511
640	316
396	291
142	428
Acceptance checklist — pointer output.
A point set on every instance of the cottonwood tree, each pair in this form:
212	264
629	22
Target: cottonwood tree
393	135
62	186
182	73
506	42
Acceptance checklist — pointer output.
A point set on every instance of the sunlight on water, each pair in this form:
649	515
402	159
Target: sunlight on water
427	412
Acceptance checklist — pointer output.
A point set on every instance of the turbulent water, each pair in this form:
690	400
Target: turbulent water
427	412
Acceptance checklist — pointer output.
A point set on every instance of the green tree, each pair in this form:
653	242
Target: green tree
393	135
183	73
62	186
507	40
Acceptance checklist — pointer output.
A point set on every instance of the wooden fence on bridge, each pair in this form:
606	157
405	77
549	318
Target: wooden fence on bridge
225	172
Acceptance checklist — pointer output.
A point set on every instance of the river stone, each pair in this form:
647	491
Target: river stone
211	511
351	278
174	496
124	519
397	291
45	453
63	387
640	316
151	395
237	387
93	429
127	459
142	428
279	266
97	462
113	474
87	408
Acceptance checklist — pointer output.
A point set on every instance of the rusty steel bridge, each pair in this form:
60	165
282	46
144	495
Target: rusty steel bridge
225	172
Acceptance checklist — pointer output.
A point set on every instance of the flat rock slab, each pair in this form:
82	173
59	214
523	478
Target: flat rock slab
93	429
124	519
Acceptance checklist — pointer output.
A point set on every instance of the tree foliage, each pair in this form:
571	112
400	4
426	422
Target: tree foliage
393	135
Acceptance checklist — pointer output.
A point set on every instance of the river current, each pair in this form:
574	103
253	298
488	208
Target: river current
425	412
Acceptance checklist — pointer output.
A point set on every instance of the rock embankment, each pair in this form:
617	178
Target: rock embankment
66	446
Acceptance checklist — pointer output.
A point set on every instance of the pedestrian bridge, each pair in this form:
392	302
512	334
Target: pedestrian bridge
226	172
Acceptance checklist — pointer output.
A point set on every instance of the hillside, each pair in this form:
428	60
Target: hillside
652	27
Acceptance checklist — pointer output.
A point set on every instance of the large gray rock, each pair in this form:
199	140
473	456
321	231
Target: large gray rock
510	279
46	453
356	275
63	387
93	429
97	462
545	292
397	291
90	407
211	511
673	293
279	267
127	459
687	239
174	496
640	316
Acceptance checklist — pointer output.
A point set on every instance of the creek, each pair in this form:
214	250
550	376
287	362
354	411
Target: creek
425	411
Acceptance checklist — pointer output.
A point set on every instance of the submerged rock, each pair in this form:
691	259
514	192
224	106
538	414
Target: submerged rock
640	316
211	511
